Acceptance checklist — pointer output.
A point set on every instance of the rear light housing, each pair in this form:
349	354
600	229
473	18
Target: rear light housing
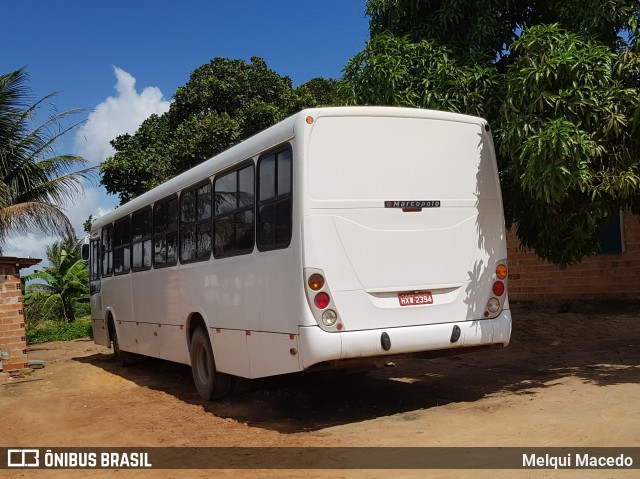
320	301
498	298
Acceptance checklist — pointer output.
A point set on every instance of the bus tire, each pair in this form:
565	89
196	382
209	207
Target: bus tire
123	358
210	383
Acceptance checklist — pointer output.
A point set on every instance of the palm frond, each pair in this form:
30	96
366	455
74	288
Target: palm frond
60	189
26	217
34	182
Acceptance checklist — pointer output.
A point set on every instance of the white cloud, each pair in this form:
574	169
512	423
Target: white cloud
116	115
29	246
93	202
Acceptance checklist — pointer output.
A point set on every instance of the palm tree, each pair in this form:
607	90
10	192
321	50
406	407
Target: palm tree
34	185
65	283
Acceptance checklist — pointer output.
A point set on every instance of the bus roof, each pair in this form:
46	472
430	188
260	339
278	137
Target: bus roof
269	138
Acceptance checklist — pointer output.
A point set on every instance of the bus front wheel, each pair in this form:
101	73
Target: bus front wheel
123	358
209	382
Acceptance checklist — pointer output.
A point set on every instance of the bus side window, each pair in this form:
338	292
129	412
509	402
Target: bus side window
122	246
234	206
107	251
274	200
195	223
94	266
141	240
165	233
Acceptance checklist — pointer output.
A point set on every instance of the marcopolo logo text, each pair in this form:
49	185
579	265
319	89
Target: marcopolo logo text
412	204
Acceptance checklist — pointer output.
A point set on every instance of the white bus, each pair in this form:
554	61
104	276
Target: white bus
338	237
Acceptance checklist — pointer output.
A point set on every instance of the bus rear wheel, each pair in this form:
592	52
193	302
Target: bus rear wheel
209	382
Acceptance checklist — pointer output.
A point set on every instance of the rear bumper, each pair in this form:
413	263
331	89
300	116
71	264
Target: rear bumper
317	346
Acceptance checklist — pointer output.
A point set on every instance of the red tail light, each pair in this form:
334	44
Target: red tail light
498	288
321	300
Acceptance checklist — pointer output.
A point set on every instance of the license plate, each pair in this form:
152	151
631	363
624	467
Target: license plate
415	299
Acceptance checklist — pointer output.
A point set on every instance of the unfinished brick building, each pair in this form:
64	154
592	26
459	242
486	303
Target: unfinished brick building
613	276
13	341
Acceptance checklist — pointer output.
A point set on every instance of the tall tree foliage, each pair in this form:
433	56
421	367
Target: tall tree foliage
60	287
559	82
35	183
224	102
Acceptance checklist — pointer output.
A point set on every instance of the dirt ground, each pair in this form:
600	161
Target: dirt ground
565	380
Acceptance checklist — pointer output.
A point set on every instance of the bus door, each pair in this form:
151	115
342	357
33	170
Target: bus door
98	324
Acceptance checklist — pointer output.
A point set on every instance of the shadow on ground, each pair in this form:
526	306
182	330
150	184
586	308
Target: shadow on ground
599	349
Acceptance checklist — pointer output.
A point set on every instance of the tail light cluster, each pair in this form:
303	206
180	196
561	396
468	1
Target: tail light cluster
499	290
319	298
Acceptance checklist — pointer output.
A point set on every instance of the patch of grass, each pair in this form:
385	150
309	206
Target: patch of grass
59	331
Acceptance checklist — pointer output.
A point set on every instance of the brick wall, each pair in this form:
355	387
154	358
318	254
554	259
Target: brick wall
12	331
607	277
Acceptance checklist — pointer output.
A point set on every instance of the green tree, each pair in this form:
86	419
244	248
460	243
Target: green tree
64	283
88	223
224	102
558	81
34	182
318	92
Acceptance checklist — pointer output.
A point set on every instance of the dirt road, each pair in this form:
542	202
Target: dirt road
566	380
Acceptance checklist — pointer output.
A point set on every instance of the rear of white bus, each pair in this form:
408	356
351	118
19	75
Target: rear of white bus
403	232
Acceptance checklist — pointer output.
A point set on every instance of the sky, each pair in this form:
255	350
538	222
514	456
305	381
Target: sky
122	60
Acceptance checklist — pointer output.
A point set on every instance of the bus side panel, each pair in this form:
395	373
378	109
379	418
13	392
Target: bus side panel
156	300
280	279
172	344
116	298
231	351
137	337
98	323
273	354
225	290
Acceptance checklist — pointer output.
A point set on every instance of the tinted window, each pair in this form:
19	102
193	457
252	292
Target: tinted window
122	246
107	251
165	232
233	222
195	223
226	188
141	240
274	220
267	177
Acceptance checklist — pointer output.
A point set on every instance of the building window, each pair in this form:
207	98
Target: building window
141	235
122	246
234	212
274	200
611	236
165	232
195	223
107	250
